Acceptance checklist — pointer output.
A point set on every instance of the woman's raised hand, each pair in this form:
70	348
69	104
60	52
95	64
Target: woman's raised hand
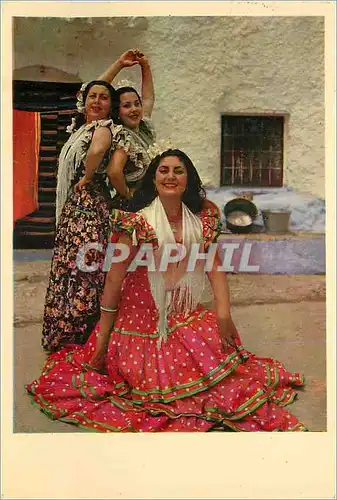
141	58
129	58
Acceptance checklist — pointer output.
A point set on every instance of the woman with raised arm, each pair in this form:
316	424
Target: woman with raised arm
133	137
157	360
85	191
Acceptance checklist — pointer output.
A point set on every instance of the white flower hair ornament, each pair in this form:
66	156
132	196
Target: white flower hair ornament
125	83
80	102
157	148
70	129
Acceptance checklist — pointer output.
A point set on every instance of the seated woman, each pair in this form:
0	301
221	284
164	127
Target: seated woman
157	360
86	188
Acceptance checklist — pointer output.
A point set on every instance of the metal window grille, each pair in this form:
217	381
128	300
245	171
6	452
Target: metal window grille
252	151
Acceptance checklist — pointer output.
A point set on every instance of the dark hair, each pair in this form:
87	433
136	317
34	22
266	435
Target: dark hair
80	118
193	197
116	102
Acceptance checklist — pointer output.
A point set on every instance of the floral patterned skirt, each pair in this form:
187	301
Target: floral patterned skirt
72	299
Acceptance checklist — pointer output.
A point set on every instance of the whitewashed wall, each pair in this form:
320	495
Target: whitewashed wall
204	67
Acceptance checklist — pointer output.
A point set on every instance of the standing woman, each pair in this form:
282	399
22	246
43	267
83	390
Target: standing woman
134	137
134	134
84	198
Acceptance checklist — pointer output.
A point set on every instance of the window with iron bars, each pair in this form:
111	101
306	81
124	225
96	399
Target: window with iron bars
252	150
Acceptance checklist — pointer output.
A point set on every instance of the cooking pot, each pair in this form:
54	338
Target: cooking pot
240	214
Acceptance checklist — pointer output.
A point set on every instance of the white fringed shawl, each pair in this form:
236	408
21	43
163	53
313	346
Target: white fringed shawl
72	156
176	290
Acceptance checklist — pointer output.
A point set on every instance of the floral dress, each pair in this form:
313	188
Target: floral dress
72	299
188	383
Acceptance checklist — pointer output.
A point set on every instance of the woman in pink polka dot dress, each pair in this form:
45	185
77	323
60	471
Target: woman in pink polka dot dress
158	360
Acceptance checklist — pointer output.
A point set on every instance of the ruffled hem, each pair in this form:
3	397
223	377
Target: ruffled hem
134	225
147	121
142	389
93	401
90	126
122	138
211	221
157	419
211	230
210	209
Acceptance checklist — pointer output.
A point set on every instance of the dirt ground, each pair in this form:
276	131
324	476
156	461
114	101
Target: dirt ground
280	316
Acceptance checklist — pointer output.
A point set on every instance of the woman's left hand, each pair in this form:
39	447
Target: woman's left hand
129	58
228	332
141	58
97	360
80	185
97	363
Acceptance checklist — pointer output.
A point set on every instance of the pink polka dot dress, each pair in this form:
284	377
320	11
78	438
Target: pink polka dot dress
189	383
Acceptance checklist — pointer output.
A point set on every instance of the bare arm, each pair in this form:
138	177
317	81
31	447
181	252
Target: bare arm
116	172
110	300
100	143
148	96
110	73
219	283
126	60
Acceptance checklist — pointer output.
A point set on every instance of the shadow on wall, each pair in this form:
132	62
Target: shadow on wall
41	73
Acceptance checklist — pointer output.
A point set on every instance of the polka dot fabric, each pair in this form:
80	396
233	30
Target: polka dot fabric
188	384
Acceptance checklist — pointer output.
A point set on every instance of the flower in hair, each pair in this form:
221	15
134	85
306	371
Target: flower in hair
80	101
157	148
70	129
124	83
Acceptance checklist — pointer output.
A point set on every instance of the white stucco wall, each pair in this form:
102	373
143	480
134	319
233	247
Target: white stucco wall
204	67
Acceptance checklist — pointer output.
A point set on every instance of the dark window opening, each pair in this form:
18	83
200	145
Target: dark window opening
252	151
